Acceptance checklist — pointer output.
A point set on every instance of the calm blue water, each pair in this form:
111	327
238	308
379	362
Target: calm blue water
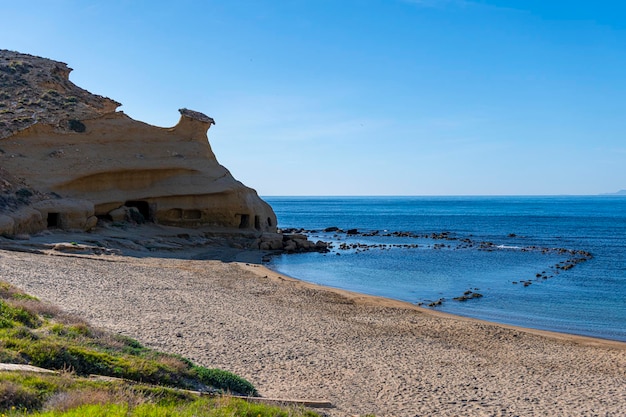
588	299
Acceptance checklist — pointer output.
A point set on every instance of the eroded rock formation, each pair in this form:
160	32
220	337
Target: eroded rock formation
86	159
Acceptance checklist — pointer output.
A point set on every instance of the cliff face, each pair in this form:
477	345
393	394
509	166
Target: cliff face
76	150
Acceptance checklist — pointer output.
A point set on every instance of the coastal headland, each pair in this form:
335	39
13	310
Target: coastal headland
68	158
139	230
293	339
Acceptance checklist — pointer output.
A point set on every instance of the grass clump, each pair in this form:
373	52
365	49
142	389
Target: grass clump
34	333
67	395
15	315
18	397
197	408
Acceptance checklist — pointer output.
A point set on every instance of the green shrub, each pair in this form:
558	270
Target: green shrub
24	192
77	126
72	331
225	380
18	314
5	323
50	95
17	396
20	66
130	346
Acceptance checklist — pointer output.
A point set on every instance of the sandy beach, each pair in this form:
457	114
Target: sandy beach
297	340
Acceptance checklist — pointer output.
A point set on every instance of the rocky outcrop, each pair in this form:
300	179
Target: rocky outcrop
88	159
290	243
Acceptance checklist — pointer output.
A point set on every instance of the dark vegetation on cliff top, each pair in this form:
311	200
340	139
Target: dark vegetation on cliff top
38	90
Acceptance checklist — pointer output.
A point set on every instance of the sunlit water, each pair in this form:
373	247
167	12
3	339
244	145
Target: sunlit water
588	299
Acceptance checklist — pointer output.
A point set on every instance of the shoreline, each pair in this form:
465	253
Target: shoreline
518	316
294	339
164	242
61	244
377	300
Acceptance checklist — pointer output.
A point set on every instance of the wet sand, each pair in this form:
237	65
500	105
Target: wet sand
297	340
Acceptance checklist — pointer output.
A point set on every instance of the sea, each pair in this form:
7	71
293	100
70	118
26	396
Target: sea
553	263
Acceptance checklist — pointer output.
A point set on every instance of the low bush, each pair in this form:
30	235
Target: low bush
77	126
225	380
17	397
16	315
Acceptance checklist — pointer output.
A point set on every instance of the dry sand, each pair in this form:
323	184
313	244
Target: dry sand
296	340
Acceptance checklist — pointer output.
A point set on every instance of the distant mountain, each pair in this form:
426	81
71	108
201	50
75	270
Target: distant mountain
620	192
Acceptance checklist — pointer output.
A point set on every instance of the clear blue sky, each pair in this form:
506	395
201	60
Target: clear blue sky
363	97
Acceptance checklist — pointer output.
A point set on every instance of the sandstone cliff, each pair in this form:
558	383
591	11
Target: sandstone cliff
76	158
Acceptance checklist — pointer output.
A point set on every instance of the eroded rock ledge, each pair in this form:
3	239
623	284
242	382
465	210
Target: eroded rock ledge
79	160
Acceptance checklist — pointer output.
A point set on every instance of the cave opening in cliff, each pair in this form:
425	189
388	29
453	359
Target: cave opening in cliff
257	222
53	220
142	206
244	223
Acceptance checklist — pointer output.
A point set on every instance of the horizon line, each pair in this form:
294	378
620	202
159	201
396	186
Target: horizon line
617	194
